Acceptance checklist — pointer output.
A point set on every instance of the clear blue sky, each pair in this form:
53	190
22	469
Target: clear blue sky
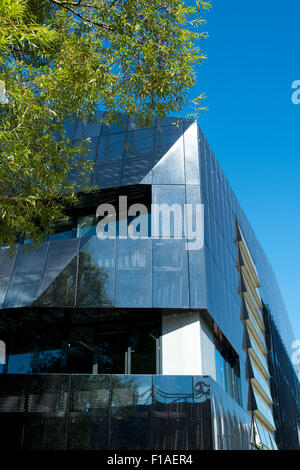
253	127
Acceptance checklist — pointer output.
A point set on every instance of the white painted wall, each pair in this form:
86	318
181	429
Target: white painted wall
187	345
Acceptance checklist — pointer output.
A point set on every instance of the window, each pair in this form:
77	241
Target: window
63	230
22	354
228	376
127	345
131	350
86	225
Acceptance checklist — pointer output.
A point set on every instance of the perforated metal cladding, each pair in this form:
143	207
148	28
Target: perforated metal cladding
44	412
231	423
285	389
172	426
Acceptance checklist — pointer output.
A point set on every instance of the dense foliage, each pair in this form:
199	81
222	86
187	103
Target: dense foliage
64	58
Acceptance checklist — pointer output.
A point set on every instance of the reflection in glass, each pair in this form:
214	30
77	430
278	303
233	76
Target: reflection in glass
170	273
143	351
88	426
111	348
173	389
50	352
60	254
22	353
219	367
133	275
63	230
95	280
131	412
86	225
25	278
80	353
61	291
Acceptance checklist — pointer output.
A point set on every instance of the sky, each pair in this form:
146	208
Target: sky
252	125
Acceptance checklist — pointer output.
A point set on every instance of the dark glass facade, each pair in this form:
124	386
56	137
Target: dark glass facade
117	412
78	304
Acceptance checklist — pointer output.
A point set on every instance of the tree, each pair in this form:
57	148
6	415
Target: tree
61	59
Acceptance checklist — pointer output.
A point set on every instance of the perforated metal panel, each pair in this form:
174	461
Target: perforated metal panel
134	412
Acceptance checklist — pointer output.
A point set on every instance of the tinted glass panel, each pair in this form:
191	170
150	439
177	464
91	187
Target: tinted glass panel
131	412
133	274
50	352
80	352
22	353
168	165
111	349
86	225
143	351
88	423
95	281
26	276
108	174
60	254
192	171
7	260
170	276
63	229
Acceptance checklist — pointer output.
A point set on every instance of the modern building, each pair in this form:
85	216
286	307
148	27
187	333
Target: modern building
147	341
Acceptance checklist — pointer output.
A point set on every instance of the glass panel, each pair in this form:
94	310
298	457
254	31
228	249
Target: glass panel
140	144
170	273
168	164
142	343
192	171
45	419
61	291
111	346
196	256
135	170
95	283
230	380
25	279
265	409
133	273
86	225
168	218
116	148
202	161
6	262
224	374
168	389
22	353
115	127
261	381
80	355
4	281
111	147
107	175
131	412
172	411
63	229
50	352
11	411
219	367
6	265
165	137
88	423
60	254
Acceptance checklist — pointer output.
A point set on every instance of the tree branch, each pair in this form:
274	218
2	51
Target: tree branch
88	20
